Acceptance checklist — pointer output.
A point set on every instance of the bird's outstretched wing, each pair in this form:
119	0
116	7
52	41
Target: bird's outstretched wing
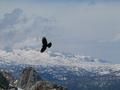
44	41
45	45
49	45
43	49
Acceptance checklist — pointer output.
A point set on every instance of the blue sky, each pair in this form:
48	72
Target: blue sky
87	27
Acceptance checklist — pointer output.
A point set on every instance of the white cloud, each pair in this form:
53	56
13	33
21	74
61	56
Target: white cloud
10	19
113	39
34	57
16	30
116	38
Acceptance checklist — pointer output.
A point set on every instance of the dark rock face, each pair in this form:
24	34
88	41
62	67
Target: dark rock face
4	83
8	76
28	78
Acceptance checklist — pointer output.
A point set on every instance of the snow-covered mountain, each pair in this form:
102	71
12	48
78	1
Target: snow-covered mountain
73	71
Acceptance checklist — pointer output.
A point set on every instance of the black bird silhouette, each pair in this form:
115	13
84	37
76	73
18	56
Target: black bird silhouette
45	44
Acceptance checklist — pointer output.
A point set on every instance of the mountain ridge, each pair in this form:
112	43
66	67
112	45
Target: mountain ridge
74	72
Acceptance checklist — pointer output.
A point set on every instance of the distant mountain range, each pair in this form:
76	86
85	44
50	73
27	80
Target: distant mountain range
72	71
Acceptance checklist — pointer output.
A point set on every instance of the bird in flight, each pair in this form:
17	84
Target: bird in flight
45	44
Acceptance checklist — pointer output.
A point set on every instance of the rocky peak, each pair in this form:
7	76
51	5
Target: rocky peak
28	78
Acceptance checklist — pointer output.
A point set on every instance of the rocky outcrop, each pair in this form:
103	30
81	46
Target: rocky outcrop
30	80
4	83
45	85
6	80
8	76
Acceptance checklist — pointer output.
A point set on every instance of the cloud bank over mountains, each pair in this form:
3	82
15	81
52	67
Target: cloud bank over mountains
87	28
56	59
34	57
19	31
